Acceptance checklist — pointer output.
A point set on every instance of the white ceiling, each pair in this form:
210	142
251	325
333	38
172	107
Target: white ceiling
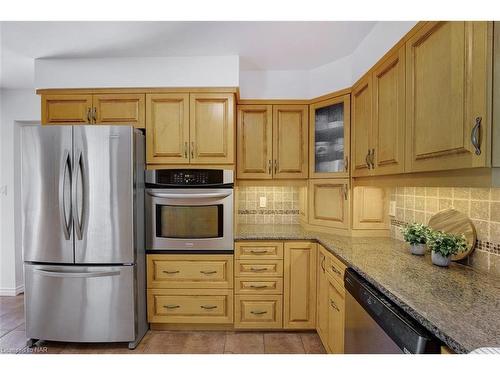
260	45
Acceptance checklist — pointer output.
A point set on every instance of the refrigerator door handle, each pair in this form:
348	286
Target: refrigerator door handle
65	165
76	274
77	215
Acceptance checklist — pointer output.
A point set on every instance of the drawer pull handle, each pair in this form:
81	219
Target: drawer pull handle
208	272
170	272
336	270
258	251
258	269
334	305
208	307
171	306
259	312
258	286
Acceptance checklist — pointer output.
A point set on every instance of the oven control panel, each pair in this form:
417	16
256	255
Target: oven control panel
188	177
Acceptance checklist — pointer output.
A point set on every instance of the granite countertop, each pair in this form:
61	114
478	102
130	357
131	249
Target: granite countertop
458	305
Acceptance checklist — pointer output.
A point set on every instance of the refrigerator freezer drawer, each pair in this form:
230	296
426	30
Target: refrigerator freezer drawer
80	304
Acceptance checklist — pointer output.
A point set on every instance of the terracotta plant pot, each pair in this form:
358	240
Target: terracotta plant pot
418	249
440	260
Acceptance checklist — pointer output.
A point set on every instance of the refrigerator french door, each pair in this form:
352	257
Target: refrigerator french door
83	234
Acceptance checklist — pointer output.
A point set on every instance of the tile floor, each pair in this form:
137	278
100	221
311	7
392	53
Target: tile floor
13	340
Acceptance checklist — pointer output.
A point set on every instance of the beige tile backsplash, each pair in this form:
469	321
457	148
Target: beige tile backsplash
482	205
282	206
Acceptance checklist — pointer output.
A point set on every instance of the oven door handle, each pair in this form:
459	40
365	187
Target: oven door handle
189	196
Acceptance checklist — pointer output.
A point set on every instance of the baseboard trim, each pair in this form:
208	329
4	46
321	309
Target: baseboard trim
11	292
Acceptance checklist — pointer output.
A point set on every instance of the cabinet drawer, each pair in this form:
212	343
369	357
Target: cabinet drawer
259	268
258	286
190	271
335	269
190	306
259	250
258	312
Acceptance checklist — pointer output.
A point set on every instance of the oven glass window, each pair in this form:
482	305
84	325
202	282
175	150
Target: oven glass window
189	221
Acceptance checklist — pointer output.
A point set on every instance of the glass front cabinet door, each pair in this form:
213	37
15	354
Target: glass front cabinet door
330	132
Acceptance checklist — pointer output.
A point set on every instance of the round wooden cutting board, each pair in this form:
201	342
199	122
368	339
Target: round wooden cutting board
455	222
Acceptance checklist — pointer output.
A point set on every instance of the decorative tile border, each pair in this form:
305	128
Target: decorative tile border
268	212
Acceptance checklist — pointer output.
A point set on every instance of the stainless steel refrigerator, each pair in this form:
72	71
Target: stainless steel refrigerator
83	233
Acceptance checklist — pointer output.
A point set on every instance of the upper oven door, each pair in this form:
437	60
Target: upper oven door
189	219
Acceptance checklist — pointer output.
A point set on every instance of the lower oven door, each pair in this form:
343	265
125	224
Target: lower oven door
189	219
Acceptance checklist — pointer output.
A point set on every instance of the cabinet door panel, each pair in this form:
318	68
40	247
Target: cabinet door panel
118	109
322	297
329	203
329	145
389	114
66	109
336	318
290	129
362	126
254	142
299	285
212	128
445	69
167	124
369	208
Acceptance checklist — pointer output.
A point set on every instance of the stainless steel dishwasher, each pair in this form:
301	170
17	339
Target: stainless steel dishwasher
374	325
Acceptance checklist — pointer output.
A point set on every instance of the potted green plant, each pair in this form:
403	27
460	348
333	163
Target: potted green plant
444	245
416	235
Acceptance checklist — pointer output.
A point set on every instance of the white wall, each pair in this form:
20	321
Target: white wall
16	105
330	77
269	84
138	72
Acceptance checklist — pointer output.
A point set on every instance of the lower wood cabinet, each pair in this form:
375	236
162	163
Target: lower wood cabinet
190	289
330	301
299	285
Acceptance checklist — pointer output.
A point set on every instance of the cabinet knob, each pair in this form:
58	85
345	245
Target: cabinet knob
372	159
208	272
475	136
258	312
367	159
94	114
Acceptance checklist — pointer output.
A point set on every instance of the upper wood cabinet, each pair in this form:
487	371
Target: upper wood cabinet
299	285
66	109
329	138
329	203
119	109
211	128
446	96
362	126
254	142
106	109
388	115
378	118
167	128
186	128
369	208
272	141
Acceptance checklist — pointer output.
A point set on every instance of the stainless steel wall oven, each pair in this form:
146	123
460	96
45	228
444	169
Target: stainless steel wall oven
189	210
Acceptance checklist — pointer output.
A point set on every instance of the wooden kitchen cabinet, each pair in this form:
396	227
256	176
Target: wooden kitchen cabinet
362	126
167	128
119	109
290	142
446	96
254	142
388	115
211	128
272	142
322	297
329	203
369	208
336	317
329	140
66	109
299	285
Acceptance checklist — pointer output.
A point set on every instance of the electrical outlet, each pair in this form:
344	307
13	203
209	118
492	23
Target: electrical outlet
262	202
392	208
